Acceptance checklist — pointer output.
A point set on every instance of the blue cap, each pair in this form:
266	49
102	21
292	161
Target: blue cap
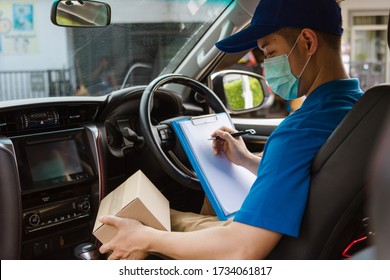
271	15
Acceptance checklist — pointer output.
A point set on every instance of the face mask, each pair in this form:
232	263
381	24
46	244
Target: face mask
279	76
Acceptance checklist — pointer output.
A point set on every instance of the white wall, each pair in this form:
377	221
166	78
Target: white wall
51	51
190	12
375	6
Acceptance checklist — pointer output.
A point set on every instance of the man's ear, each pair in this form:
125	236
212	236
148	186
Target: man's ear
310	40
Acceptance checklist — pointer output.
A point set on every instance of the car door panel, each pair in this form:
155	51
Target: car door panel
263	128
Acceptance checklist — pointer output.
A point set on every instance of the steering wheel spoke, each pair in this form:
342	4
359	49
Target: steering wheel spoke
165	135
161	139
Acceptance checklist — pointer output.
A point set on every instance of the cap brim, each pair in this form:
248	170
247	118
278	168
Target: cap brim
244	40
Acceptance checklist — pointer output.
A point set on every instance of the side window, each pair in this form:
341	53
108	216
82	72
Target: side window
252	61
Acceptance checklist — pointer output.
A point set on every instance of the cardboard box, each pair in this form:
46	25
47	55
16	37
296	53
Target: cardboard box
136	198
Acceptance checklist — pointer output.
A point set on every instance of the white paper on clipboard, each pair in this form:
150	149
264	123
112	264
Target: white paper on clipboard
225	183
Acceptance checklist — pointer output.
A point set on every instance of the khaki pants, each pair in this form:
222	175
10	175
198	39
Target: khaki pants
186	221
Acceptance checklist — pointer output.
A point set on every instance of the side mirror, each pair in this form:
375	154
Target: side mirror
80	13
241	91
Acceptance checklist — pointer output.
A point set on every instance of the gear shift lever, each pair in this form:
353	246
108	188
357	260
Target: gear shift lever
86	251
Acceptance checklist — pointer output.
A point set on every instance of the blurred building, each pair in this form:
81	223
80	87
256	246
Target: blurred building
365	51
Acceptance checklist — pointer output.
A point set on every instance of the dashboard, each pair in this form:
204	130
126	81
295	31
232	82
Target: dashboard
56	184
59	157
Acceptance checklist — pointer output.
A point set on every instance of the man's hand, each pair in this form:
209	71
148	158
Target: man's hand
128	242
234	149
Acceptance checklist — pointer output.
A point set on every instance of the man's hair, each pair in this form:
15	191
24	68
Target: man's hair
290	34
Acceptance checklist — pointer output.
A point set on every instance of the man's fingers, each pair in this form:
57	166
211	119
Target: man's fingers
222	129
110	220
105	249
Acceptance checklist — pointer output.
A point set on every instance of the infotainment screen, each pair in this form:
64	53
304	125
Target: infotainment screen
54	159
54	162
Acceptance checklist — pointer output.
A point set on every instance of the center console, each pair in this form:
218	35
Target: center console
60	187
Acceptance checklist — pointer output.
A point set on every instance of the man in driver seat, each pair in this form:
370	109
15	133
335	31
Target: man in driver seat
301	40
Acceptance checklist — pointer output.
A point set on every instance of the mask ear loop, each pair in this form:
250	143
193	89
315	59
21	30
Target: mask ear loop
296	42
304	67
307	62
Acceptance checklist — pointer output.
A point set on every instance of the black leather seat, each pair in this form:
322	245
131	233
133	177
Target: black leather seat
10	205
338	193
379	189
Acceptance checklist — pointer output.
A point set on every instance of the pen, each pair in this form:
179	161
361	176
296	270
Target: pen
237	134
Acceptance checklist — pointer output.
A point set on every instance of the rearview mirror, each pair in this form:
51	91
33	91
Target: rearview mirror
240	91
80	13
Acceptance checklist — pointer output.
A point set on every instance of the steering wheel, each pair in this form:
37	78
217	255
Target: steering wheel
157	137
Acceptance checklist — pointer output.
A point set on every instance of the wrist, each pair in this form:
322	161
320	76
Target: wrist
251	162
150	239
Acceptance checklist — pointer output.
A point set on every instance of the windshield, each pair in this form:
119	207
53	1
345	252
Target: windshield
145	38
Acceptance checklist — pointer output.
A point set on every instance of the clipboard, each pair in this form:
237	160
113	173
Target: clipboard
226	185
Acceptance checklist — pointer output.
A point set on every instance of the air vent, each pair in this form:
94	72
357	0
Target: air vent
70	115
8	122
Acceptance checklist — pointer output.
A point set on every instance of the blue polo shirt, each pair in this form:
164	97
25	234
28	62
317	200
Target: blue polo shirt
278	197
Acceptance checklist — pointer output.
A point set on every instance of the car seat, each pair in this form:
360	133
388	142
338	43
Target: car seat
379	189
10	204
